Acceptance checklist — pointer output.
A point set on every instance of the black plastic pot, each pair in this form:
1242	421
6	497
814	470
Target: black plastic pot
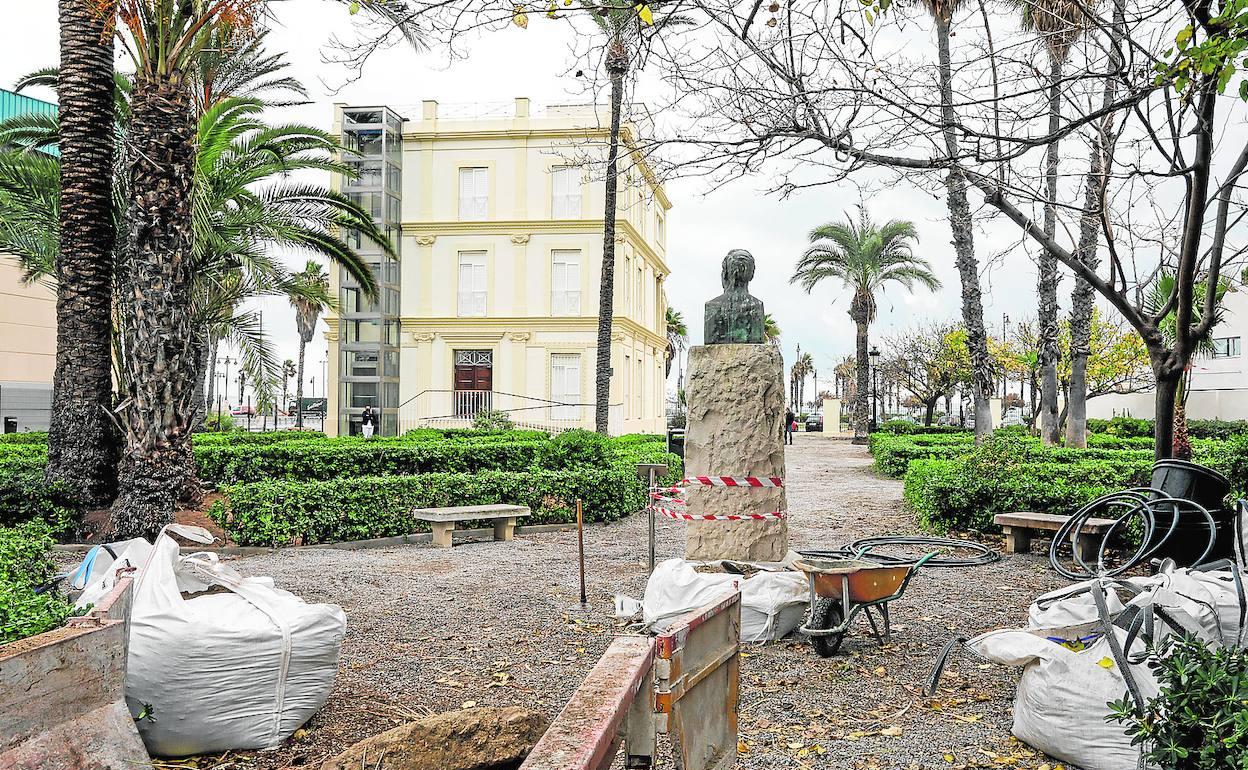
1191	535
1189	481
676	442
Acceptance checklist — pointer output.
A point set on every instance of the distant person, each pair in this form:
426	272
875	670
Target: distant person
790	425
369	421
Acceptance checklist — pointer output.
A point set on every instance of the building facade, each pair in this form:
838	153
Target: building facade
1219	384
493	302
27	323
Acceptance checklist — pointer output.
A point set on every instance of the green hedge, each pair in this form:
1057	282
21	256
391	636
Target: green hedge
25	569
275	513
1142	428
1006	474
902	428
308	461
893	454
25	496
38	437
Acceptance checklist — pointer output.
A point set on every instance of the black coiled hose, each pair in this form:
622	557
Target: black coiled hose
1151	506
865	549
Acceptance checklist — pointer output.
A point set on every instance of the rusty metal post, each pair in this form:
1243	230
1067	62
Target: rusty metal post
580	545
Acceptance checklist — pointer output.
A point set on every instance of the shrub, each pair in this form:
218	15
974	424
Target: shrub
575	448
277	513
1134	427
240	438
902	427
492	419
25	496
34	437
310	461
1197	721
1007	474
26	609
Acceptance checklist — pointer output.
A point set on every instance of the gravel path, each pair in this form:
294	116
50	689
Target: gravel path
488	623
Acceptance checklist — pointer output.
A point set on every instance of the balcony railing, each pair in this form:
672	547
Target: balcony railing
468	403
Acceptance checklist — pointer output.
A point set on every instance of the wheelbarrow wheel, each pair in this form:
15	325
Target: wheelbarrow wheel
827	614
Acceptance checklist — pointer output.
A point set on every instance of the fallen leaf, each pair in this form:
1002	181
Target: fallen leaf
891	732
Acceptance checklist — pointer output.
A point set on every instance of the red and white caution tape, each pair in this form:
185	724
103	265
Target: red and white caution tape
734	481
671	514
669	502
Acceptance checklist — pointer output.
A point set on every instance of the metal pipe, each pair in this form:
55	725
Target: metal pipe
580	544
650	511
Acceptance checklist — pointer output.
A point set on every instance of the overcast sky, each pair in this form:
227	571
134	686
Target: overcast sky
702	227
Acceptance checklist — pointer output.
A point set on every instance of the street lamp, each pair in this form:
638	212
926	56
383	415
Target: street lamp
875	384
224	387
1005	373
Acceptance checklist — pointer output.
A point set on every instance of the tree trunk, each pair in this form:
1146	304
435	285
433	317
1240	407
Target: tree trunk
200	396
949	408
931	411
299	387
82	437
861	421
964	248
1047	279
617	66
156	281
1163	413
212	376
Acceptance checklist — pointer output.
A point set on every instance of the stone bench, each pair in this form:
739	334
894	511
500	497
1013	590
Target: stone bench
442	520
1019	526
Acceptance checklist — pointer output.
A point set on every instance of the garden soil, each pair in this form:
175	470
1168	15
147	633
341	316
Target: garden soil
490	624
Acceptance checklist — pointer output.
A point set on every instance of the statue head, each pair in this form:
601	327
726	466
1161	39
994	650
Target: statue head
738	269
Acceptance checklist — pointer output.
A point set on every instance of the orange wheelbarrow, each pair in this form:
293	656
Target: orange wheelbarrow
842	588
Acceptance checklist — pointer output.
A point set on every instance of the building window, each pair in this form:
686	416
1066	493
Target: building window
1225	347
472	287
660	233
565	386
565	192
565	282
474	193
639	297
626	379
640	389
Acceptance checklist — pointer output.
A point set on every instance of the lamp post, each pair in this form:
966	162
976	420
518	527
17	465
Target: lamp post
1005	373
875	385
224	386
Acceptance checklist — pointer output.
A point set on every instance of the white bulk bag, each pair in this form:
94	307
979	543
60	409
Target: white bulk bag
1227	602
241	668
1060	706
772	603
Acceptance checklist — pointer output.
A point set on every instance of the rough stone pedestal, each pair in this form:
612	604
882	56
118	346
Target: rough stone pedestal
735	395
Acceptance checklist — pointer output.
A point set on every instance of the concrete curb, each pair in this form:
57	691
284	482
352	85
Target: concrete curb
459	535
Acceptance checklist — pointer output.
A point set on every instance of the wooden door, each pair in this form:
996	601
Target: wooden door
474	381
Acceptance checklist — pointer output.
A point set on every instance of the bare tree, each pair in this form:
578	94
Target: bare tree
826	94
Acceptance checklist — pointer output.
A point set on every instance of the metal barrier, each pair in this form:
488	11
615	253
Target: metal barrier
684	683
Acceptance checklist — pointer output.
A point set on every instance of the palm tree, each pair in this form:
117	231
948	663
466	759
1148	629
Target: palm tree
82	439
288	370
960	222
1059	23
802	368
623	24
771	329
677	337
865	259
307	313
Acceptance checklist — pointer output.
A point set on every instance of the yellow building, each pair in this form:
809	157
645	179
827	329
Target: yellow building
493	303
27	350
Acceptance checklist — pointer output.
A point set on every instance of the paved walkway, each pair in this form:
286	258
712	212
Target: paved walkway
487	623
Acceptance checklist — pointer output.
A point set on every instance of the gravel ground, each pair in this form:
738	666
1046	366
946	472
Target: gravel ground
489	623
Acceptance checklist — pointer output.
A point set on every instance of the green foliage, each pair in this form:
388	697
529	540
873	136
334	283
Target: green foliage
1135	427
1007	473
218	422
575	448
902	427
492	419
893	454
39	437
1198	721
25	496
275	513
25	609
237	438
309	461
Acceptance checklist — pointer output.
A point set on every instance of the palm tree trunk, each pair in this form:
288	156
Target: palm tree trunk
861	427
200	397
82	438
299	387
617	66
1046	286
964	248
156	283
212	374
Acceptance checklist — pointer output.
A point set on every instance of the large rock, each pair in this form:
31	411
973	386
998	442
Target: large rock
468	739
735	395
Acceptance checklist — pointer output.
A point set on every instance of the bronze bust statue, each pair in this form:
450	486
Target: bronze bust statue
735	317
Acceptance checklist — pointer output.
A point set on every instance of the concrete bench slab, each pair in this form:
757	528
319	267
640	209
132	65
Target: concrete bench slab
442	520
1019	526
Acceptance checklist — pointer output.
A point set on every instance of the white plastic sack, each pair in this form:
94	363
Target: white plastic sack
772	603
1226	601
241	668
1060	706
1187	601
